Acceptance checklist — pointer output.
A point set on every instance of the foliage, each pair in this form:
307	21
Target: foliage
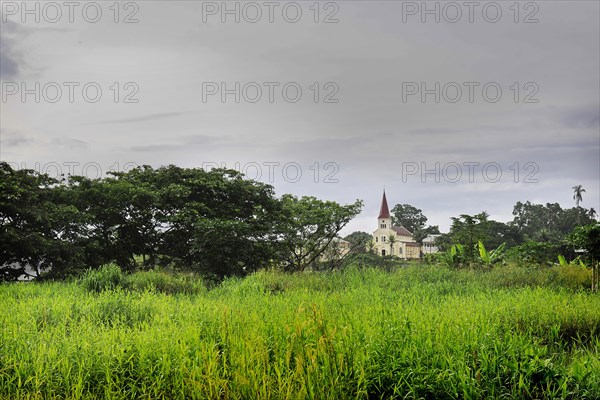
164	282
416	332
107	277
578	190
588	238
547	223
110	277
36	225
308	226
454	256
533	253
212	222
414	220
488	258
468	230
359	241
408	216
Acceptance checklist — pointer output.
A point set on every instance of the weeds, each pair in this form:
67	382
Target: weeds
416	332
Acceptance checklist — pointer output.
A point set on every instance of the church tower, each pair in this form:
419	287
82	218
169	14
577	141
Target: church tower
384	221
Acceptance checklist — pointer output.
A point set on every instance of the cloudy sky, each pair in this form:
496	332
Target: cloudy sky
454	107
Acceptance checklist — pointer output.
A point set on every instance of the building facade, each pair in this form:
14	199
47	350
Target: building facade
429	245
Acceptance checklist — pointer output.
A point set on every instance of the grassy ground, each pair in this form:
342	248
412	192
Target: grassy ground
419	332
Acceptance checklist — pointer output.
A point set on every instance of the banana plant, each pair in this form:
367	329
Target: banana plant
490	257
577	261
562	260
454	256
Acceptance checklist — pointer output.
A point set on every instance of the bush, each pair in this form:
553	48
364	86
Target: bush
573	277
528	253
164	282
569	276
107	277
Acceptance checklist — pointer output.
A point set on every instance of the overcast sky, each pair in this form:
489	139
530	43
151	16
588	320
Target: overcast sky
453	107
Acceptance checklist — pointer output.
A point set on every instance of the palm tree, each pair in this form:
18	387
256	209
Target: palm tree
392	238
371	246
577	191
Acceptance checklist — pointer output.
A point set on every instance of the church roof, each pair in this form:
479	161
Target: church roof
400	230
384	211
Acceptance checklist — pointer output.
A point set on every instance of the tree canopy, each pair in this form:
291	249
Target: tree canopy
215	222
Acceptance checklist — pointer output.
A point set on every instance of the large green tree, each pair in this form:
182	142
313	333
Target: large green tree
308	226
359	241
36	225
408	216
549	222
413	219
215	221
468	230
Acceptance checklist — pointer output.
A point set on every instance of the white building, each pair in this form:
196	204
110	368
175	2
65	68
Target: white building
393	240
429	245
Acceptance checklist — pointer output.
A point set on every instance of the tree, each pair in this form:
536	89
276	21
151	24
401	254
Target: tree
215	222
547	222
408	216
35	226
592	214
392	240
413	219
468	230
371	247
587	237
359	241
464	231
308	226
577	194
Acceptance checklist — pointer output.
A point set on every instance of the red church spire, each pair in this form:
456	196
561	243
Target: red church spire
384	211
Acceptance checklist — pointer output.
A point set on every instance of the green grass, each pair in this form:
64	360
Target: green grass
418	332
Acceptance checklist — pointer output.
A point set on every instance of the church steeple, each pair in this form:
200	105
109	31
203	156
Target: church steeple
384	211
384	221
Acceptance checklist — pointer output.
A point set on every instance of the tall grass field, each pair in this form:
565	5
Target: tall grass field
413	333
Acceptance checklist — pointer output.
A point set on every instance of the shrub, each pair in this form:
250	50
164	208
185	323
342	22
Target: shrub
107	277
573	277
164	282
532	253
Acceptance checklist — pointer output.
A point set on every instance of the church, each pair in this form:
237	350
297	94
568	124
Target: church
393	240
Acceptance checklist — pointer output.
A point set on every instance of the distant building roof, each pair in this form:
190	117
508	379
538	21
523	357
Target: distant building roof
400	230
411	244
384	211
431	238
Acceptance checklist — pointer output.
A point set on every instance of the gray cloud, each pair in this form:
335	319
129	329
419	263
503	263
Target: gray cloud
70	143
184	143
142	118
369	133
9	58
583	117
11	138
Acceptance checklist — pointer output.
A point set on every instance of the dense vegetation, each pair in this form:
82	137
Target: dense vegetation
214	222
413	332
146	297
